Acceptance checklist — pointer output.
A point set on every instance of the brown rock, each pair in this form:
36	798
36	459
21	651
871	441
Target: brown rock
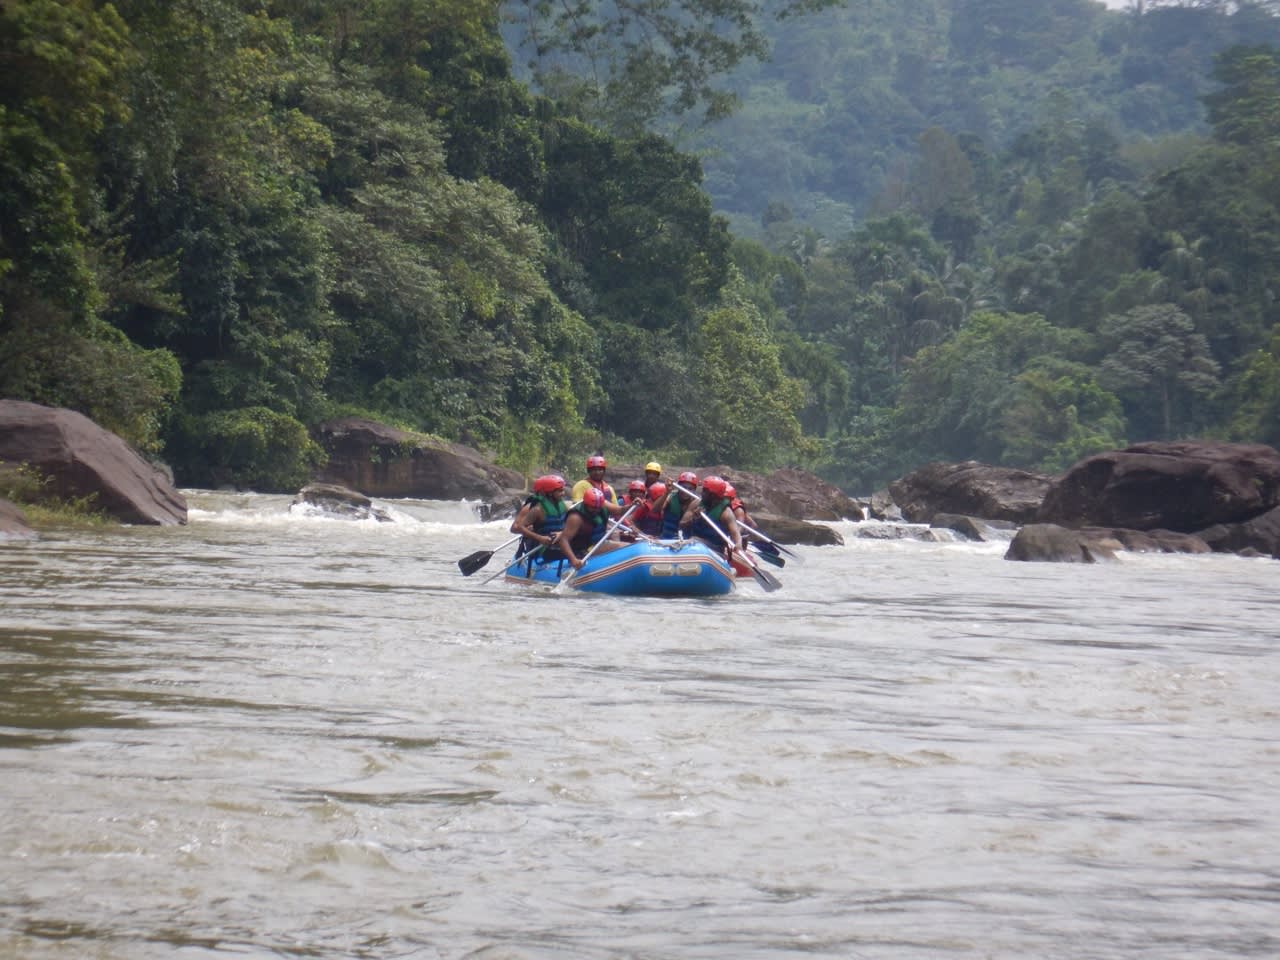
972	489
1261	533
792	531
1050	543
1183	486
382	461
1149	541
341	502
81	460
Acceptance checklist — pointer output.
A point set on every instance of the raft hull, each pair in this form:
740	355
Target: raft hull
687	568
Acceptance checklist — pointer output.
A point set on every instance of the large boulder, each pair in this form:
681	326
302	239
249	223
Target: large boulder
80	459
972	489
382	461
1183	486
790	530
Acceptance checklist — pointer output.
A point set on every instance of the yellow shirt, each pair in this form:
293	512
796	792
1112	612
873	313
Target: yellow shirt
581	486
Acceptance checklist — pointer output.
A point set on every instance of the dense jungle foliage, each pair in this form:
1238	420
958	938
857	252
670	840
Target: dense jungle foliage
1010	230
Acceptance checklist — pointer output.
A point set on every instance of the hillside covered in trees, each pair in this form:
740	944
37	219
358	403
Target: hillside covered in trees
1017	232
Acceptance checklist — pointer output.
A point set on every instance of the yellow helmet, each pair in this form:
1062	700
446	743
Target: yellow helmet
654	466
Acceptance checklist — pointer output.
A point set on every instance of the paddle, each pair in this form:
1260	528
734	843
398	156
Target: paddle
474	561
527	555
609	528
773	543
766	556
768	581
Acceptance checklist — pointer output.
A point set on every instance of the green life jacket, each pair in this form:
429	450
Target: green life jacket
554	513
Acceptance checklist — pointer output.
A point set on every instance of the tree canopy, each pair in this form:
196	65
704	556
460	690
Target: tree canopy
1014	232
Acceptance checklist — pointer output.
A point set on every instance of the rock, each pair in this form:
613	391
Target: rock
1149	541
1261	533
791	531
1050	543
382	461
892	530
973	528
341	502
1183	486
83	460
13	523
972	489
882	507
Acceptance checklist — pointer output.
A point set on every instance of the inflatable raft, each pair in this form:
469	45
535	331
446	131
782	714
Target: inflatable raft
663	568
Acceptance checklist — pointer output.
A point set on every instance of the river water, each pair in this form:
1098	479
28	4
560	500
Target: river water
270	734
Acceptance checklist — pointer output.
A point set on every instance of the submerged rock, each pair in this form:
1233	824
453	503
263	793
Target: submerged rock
340	501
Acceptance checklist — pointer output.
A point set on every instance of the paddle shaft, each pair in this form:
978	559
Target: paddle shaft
474	561
528	554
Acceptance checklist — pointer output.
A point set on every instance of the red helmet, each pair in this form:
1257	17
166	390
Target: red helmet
688	478
657	490
595	460
593	499
548	484
715	486
729	491
636	486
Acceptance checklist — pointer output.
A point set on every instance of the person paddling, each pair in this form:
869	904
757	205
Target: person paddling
648	518
675	504
713	508
596	466
638	496
586	524
541	518
736	505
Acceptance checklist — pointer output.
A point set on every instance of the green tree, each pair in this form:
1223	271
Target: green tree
958	397
1245	110
1056	414
1254	396
749	405
631	62
1157	361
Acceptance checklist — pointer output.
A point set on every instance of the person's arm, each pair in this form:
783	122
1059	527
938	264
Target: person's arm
571	528
690	513
579	489
526	520
731	528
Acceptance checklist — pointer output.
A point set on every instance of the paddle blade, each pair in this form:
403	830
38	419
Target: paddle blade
768	581
773	558
474	561
790	553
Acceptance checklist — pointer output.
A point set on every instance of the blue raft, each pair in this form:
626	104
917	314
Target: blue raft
663	568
